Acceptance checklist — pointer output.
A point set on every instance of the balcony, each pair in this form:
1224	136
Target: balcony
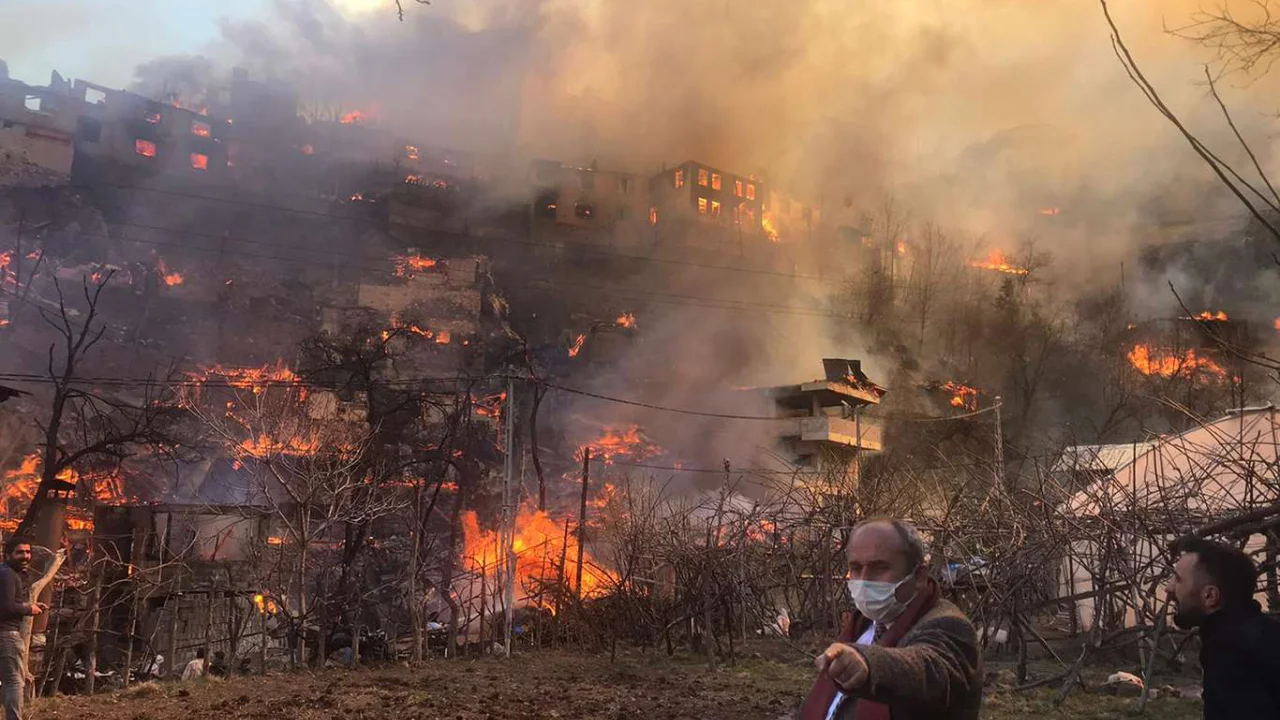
835	430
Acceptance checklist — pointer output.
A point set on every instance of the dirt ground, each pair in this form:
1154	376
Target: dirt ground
540	685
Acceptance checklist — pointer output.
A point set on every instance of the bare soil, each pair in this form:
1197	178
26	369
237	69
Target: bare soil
538	685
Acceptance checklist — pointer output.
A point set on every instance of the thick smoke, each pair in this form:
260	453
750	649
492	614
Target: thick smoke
972	113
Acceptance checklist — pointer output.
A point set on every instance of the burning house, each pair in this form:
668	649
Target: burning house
695	192
821	422
597	204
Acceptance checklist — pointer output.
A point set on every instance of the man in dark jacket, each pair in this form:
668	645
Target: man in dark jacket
906	653
14	606
1212	589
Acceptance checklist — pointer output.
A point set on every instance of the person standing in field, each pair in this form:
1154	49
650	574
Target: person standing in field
14	607
906	654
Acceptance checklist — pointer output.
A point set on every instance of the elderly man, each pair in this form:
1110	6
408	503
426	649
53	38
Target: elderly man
906	653
1212	589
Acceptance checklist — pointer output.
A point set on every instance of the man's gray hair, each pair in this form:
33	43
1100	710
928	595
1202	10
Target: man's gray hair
912	543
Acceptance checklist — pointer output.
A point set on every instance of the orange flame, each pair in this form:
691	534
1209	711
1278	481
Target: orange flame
275	540
18	487
255	379
577	345
1208	316
962	396
355	116
539	543
1277	324
1172	364
626	320
443	337
1050	211
170	278
999	262
770	228
628	442
407	264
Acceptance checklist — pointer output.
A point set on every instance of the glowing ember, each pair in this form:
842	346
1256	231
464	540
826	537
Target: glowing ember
491	406
406	265
1277	324
999	262
1050	211
962	396
902	247
411	152
261	446
353	117
626	320
275	540
1209	316
145	148
170	278
443	337
307	149
202	129
199	161
357	196
415	180
577	345
539	543
1171	364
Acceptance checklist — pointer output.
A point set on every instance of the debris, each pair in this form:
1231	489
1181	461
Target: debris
1124	684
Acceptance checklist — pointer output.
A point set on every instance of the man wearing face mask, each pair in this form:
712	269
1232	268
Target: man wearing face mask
907	653
1212	589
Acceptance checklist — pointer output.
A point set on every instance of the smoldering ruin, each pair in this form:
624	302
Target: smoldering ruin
537	326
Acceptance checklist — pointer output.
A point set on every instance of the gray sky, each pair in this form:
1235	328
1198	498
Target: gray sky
102	41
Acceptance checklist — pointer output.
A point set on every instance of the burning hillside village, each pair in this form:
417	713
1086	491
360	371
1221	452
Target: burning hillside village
311	364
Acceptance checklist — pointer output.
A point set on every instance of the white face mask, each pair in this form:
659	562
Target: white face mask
877	600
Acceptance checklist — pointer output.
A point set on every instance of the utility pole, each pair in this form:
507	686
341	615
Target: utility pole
582	515
509	496
999	464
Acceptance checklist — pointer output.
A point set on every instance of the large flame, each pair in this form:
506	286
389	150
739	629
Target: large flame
539	543
19	487
1168	364
628	442
999	262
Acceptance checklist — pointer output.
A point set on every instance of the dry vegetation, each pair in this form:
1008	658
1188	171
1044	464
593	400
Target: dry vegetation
542	685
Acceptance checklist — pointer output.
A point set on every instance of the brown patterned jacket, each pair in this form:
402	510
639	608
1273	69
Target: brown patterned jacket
934	671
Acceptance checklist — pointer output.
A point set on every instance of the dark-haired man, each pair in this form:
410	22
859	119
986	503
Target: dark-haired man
1212	589
14	606
907	653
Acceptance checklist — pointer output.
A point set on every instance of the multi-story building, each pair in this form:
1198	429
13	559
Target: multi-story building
37	131
693	191
821	422
591	201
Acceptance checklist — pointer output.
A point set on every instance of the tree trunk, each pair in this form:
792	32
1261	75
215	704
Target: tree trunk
95	611
450	560
538	392
133	632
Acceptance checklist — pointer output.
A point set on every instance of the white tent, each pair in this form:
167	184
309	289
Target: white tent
1153	492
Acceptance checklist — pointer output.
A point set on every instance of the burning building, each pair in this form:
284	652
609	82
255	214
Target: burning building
821	422
694	192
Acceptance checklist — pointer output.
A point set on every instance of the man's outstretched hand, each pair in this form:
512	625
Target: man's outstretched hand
844	665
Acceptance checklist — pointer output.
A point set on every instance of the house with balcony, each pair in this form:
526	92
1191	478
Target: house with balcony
822	424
